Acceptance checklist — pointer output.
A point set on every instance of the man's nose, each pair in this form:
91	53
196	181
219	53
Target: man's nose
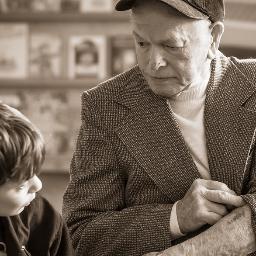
35	184
157	60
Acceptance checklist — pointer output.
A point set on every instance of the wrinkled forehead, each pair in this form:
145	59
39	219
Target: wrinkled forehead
157	23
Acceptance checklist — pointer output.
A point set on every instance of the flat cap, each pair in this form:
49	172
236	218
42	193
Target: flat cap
196	9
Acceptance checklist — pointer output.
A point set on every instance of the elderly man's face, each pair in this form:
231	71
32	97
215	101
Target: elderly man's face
172	50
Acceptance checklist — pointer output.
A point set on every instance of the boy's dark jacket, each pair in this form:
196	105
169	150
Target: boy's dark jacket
39	228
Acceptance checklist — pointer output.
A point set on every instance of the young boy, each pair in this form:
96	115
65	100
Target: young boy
28	223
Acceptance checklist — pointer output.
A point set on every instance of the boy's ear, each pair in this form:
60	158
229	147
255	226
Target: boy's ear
217	30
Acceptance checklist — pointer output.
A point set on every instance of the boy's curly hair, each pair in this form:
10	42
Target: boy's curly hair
22	147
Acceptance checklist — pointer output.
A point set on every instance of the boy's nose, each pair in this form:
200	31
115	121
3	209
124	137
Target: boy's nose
36	184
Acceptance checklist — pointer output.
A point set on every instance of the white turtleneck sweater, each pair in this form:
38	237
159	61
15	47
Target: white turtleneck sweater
188	109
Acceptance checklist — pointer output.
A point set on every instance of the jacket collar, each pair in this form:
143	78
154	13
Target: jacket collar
152	136
15	234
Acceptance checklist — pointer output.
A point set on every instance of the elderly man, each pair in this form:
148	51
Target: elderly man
165	158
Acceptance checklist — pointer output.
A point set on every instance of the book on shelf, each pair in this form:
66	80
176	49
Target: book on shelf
123	54
96	6
46	5
15	5
45	55
88	57
3	6
13	50
70	5
50	110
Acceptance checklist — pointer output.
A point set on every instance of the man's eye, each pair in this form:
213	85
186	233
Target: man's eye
176	48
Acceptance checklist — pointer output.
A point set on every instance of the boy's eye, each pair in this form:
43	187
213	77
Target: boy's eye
21	187
142	44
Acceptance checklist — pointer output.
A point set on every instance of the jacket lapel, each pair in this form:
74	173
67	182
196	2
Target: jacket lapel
153	138
229	124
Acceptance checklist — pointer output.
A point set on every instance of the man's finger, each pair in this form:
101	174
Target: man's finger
217	208
223	197
216	185
213	218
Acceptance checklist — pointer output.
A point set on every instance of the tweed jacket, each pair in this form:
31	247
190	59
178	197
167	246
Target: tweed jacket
131	162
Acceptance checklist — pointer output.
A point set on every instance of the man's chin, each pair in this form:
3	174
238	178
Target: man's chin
167	91
164	92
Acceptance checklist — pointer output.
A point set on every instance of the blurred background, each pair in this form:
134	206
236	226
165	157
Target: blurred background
51	51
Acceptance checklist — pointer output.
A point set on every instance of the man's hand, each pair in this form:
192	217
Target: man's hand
206	202
232	235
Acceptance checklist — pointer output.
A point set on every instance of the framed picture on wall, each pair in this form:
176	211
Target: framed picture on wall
87	57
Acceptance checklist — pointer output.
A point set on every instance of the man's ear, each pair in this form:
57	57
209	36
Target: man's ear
217	30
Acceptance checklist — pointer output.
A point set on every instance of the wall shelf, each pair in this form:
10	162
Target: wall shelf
63	17
49	83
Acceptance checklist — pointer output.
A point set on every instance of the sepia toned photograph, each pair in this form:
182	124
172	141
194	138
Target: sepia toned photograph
128	127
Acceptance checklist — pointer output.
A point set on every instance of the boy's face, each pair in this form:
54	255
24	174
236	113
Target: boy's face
15	196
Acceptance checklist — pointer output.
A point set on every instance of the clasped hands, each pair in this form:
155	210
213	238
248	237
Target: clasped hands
206	202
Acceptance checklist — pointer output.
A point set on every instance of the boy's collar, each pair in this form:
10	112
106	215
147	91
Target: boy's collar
2	249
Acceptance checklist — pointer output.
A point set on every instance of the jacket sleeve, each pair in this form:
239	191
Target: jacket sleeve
250	193
62	245
94	204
